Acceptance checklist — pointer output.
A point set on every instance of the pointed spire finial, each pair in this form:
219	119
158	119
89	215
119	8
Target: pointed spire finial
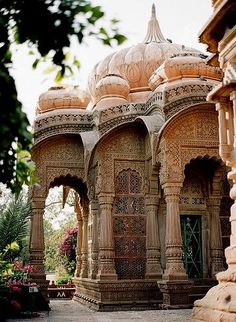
153	11
154	33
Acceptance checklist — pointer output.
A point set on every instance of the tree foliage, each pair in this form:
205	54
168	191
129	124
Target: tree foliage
14	224
47	26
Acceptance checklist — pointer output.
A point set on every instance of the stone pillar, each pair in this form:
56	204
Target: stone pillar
84	248
216	240
219	302
153	266
106	270
174	254
94	246
79	238
175	285
37	243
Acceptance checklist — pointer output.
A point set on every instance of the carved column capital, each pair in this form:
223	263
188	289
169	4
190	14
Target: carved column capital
151	200
172	189
106	199
233	96
38	203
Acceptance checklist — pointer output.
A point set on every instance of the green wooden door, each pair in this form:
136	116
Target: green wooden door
192	245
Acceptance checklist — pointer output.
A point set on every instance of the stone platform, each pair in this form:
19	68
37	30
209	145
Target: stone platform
71	311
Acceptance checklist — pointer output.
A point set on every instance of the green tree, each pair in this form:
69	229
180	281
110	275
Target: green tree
47	26
14	226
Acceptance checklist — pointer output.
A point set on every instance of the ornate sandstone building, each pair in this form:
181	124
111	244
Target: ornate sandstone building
141	150
220	35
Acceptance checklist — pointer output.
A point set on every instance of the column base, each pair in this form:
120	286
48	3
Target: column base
219	304
175	294
40	280
106	277
153	276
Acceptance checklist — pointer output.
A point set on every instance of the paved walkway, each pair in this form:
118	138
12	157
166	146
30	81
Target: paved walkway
71	311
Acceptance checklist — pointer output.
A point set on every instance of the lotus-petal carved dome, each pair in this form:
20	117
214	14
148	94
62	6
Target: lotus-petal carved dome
112	85
137	63
60	97
184	65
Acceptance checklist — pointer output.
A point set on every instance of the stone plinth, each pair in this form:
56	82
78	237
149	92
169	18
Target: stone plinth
175	294
117	295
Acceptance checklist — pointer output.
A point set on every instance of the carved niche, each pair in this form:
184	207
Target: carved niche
122	150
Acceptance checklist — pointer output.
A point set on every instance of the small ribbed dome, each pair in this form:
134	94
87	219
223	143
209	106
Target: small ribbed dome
184	65
112	85
137	63
59	97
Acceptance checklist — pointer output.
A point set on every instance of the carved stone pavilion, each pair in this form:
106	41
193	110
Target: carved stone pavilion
141	149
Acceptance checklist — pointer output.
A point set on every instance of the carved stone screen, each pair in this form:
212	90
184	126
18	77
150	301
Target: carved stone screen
129	226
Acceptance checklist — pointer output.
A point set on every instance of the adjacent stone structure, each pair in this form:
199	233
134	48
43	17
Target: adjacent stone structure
220	35
141	150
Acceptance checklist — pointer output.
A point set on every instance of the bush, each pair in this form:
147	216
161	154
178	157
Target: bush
68	249
63	278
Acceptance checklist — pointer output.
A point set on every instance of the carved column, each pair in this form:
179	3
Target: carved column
175	286
226	136
79	238
84	248
37	243
219	302
174	263
94	246
216	240
106	270
153	266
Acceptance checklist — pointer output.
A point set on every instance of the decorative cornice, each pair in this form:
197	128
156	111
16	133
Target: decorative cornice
62	117
60	129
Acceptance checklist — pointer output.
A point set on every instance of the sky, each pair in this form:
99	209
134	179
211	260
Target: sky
179	20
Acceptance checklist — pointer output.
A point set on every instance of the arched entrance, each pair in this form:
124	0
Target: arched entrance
200	217
81	208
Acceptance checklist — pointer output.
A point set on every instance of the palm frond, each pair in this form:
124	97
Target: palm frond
14	221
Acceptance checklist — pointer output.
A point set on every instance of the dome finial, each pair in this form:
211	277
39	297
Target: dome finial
154	33
153	11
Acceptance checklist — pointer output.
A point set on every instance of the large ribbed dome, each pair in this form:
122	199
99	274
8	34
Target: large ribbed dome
137	63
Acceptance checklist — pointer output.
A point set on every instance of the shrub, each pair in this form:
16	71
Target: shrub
68	249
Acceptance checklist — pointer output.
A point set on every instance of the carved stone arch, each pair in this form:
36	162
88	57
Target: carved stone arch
122	147
191	112
55	156
199	154
71	181
190	135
